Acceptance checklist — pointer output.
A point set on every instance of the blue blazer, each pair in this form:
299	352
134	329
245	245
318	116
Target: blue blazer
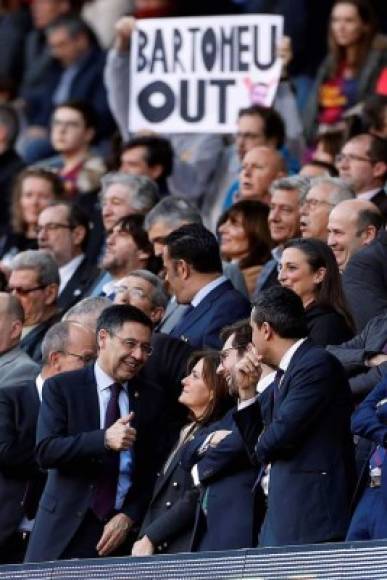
70	444
222	306
370	422
227	479
307	440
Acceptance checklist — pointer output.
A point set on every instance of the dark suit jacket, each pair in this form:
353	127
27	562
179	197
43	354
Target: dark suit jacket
380	200
166	368
222	306
19	408
170	516
70	444
365	281
75	289
370	423
307	441
227	479
32	342
353	353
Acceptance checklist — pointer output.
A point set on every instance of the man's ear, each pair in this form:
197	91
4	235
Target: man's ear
368	234
51	294
155	171
380	169
157	314
16	329
54	361
184	269
79	234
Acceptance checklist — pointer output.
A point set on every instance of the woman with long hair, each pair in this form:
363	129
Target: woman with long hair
351	68
169	521
309	268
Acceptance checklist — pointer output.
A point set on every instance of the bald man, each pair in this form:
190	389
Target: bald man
352	224
260	167
15	364
362	163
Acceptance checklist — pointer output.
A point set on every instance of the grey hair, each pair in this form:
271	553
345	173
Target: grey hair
41	261
143	192
299	183
159	296
55	340
341	190
174	211
13	307
91	305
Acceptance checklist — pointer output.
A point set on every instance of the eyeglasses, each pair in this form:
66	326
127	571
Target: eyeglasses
343	157
133	292
52	227
86	359
24	291
131	344
313	203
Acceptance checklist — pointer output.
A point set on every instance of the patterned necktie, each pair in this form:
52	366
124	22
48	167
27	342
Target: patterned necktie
277	383
106	488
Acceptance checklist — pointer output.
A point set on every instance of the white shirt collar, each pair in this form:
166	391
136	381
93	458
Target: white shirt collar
203	292
66	271
39	385
368	195
103	380
287	357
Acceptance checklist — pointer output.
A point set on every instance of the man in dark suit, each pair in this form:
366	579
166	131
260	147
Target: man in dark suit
101	467
34	280
300	427
365	281
66	346
63	230
194	273
362	163
364	357
369	522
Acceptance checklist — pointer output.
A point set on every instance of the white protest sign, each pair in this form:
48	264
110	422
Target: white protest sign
192	75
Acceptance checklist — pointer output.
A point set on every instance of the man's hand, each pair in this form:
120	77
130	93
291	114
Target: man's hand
124	28
114	533
285	53
376	360
121	436
143	547
246	374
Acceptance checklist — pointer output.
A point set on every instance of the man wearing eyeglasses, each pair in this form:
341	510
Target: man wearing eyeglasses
323	195
362	163
67	346
97	435
63	230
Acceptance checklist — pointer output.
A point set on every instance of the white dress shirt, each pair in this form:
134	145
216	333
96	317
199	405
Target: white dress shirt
203	292
67	271
104	381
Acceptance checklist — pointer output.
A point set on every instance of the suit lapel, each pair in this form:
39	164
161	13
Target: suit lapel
91	392
203	307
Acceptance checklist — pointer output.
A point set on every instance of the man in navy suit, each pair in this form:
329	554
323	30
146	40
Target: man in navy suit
194	273
101	467
306	438
369	521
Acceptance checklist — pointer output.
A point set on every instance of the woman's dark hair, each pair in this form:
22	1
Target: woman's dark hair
329	292
221	401
368	17
18	224
254	221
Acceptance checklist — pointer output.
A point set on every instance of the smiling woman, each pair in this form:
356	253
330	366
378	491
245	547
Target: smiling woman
245	238
308	267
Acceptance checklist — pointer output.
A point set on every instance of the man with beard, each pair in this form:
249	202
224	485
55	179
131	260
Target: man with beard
97	435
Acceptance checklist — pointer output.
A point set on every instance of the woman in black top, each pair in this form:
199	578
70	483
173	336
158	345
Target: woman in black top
169	521
309	268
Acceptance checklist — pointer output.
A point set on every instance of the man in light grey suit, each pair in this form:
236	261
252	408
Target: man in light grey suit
15	365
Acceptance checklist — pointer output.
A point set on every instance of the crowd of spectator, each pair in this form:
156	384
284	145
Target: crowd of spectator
193	345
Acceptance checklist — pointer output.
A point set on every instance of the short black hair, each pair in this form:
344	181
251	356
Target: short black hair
112	318
378	151
273	124
134	225
197	246
84	109
369	217
242	335
158	151
74	26
283	310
